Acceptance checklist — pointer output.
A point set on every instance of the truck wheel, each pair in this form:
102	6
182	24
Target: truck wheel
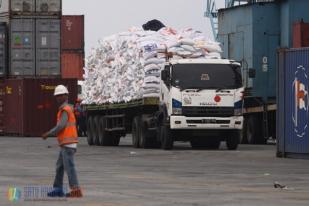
89	131
146	139
244	139
114	140
233	141
167	141
102	132
135	132
254	130
96	127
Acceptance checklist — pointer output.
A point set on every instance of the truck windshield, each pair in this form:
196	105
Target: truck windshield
206	76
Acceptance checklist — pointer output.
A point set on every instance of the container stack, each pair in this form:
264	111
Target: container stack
72	47
30	65
33	37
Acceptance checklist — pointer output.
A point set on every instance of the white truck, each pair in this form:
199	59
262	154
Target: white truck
200	101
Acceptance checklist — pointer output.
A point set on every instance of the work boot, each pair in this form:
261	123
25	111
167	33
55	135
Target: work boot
76	192
56	192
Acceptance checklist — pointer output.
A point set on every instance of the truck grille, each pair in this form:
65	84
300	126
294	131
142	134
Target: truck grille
208	111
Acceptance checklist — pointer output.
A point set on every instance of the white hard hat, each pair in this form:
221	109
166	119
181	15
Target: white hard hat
60	89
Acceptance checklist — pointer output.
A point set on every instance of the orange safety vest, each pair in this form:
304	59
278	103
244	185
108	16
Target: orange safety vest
69	134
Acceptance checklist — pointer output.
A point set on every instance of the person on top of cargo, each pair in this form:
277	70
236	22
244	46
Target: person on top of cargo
66	132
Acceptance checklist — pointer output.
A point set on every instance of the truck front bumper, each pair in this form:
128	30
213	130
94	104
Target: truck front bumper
212	123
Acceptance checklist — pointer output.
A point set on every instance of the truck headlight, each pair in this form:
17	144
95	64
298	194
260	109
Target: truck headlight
177	107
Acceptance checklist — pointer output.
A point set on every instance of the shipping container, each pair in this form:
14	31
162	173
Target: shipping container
22	47
293	103
72	32
31	7
3	49
49	7
48	47
72	64
300	35
30	107
17	7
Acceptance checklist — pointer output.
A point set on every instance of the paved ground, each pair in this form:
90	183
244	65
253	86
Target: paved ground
125	176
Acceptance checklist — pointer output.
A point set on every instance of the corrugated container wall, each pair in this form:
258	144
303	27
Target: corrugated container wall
300	35
31	7
72	64
30	107
3	49
72	32
293	103
241	31
22	47
48	47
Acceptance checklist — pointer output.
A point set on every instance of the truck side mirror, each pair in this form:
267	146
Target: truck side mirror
164	75
252	73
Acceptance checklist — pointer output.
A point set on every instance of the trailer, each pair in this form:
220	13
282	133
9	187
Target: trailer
107	123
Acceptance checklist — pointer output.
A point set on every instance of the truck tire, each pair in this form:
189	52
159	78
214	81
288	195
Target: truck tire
146	139
233	141
89	131
244	139
114	140
209	143
135	132
254	130
96	127
102	132
167	141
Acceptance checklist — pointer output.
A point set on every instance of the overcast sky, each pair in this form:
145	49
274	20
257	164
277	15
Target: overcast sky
106	17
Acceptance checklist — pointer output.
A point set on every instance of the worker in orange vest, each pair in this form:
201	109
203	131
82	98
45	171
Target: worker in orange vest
66	132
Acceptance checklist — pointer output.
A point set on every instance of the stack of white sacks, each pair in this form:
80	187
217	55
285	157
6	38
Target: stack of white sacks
127	66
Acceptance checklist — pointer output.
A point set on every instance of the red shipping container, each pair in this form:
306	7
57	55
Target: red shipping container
72	32
72	64
30	107
300	35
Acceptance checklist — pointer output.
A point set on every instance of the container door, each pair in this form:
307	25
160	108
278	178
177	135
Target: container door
297	102
48	7
72	31
13	107
22	6
40	104
48	47
22	57
3	50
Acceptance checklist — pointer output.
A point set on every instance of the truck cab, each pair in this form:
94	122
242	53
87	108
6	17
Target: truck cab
201	101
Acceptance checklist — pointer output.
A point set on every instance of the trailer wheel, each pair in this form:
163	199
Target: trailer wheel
233	140
95	132
89	131
135	132
102	132
167	141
